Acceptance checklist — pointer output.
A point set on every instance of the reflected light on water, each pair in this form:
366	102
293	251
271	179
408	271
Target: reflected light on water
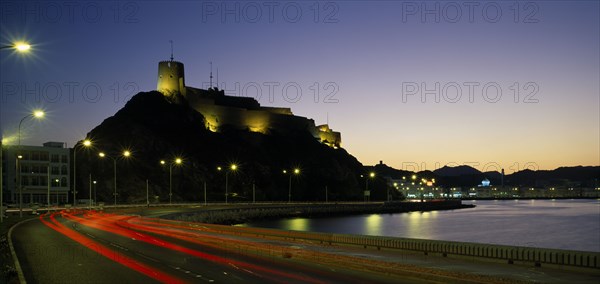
418	224
373	224
560	224
299	224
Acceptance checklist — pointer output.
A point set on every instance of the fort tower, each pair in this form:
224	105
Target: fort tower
171	78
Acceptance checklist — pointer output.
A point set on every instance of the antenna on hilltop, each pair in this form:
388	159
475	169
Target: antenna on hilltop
217	77
211	75
171	41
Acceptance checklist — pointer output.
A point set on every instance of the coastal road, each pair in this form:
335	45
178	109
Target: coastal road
98	247
87	246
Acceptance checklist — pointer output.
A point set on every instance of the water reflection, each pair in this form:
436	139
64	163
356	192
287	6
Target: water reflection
562	224
418	225
299	224
373	225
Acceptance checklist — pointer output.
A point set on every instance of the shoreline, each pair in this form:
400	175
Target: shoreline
244	214
529	198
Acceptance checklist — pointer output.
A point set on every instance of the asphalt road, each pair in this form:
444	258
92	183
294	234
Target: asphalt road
94	247
102	248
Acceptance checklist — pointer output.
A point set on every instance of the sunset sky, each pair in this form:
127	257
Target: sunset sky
377	65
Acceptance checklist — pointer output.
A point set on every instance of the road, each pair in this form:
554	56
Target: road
93	247
99	247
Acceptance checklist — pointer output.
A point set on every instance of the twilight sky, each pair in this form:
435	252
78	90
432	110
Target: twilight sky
416	84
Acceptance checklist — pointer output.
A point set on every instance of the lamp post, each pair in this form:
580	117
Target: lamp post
57	182
95	193
1	178
36	114
177	161
232	167
125	154
48	196
21	47
371	175
296	172
85	143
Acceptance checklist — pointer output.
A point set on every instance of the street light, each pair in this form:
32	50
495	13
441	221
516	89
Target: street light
371	175
232	167
35	114
125	154
95	193
86	143
177	161
296	172
20	46
1	180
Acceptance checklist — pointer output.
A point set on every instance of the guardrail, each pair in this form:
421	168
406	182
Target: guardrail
508	254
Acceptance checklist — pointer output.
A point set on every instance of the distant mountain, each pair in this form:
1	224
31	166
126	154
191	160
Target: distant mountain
384	170
469	177
563	176
447	171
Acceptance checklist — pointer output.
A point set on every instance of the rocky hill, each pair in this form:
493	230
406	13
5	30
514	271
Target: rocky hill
154	128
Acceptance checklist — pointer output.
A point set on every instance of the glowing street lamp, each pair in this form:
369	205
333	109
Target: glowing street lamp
296	172
177	161
95	193
20	46
125	154
232	167
371	175
35	114
86	143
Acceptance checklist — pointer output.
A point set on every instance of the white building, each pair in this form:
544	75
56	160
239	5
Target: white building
42	170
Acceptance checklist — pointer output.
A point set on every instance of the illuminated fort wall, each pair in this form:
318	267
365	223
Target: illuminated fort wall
171	78
221	111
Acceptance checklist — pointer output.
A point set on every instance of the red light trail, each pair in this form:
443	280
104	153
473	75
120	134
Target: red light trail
120	225
109	253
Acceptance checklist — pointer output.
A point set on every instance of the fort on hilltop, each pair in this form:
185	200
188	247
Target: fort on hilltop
243	113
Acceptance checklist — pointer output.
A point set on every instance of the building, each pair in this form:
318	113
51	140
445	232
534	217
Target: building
243	113
43	170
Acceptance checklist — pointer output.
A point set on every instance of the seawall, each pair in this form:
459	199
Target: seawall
244	213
